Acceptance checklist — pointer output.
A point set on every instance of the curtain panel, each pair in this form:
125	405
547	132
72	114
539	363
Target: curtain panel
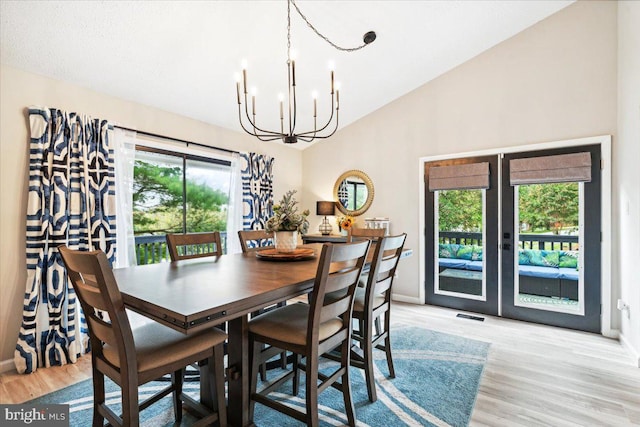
71	201
256	172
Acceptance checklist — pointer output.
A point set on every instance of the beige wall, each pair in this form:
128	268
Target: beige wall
19	90
626	178
553	81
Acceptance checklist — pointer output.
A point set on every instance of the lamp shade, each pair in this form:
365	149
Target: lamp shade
325	208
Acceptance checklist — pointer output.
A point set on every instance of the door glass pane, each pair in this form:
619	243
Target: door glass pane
548	224
207	196
460	244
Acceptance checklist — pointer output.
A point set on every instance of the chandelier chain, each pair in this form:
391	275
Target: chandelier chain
322	36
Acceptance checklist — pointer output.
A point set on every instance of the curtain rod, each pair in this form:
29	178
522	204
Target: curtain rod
176	139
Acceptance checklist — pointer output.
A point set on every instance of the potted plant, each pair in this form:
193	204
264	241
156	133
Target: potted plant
286	222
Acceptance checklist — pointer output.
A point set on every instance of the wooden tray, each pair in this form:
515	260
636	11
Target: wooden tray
298	254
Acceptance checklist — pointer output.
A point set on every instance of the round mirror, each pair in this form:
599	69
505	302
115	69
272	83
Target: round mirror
353	192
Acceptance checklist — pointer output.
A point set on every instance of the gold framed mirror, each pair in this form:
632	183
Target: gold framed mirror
353	192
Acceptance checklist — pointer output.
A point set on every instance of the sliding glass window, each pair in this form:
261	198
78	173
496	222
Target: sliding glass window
177	193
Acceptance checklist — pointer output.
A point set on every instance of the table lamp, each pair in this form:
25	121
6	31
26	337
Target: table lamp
325	208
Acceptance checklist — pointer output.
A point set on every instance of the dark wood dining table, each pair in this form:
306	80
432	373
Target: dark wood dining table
191	295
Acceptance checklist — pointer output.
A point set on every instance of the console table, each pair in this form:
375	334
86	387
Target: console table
319	238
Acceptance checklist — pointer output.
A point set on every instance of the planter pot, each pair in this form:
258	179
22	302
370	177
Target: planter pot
344	232
286	241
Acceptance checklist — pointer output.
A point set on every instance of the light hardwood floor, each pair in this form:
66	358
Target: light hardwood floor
535	375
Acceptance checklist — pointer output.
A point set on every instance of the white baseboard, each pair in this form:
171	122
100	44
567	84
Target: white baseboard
632	351
406	298
6	366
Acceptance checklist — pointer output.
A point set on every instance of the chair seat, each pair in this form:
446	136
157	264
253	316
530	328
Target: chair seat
289	324
157	345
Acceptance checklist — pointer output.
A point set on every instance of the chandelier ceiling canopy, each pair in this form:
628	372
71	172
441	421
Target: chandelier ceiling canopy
288	117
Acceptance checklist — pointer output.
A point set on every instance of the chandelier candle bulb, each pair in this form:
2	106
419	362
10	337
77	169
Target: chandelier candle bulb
293	72
244	79
331	82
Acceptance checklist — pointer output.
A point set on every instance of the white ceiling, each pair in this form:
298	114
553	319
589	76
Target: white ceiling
182	56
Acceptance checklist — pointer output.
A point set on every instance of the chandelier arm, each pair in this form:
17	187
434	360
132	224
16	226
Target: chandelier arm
323	136
252	123
328	122
271	136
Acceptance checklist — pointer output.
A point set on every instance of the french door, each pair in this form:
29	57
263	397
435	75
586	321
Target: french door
552	278
523	242
463	221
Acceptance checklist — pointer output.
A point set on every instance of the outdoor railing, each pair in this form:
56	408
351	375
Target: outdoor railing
526	241
152	248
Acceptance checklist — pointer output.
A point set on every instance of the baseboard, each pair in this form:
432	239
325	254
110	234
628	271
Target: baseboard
635	355
6	366
406	298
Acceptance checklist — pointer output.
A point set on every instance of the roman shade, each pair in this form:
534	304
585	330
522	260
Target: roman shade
574	167
459	177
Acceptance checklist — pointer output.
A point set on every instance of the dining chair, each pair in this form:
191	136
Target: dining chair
372	303
132	357
194	245
253	241
356	233
309	331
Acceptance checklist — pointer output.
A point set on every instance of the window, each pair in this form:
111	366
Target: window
176	193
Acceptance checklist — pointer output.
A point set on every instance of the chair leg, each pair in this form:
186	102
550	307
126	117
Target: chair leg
98	397
255	348
283	360
217	391
296	374
346	385
367	347
176	380
387	346
311	390
130	409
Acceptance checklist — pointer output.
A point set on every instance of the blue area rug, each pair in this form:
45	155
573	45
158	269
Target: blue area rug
437	379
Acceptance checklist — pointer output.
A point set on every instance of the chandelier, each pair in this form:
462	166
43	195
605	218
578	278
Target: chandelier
287	132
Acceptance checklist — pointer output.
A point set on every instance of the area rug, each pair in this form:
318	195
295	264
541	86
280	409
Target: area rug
437	379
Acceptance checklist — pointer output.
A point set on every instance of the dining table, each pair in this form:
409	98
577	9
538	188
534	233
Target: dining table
194	294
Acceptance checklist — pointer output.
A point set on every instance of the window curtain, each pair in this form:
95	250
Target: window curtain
71	201
235	217
124	145
256	171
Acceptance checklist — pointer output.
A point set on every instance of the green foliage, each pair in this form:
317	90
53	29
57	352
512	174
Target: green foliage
158	202
549	206
542	207
286	217
460	210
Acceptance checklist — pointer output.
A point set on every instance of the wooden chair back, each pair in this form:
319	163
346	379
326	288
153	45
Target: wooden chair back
364	233
92	279
338	273
383	267
255	240
194	245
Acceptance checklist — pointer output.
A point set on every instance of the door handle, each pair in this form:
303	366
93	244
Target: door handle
506	246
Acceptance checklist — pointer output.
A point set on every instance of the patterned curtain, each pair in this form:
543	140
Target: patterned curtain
257	190
71	201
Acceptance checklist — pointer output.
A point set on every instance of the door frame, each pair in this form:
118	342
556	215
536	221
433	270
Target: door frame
606	228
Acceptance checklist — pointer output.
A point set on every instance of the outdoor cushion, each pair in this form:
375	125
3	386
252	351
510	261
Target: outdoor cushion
465	252
447	250
452	263
538	258
474	265
568	259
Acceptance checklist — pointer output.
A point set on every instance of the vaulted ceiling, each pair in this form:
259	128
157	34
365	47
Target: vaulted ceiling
181	56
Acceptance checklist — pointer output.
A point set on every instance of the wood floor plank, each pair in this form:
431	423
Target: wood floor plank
535	375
